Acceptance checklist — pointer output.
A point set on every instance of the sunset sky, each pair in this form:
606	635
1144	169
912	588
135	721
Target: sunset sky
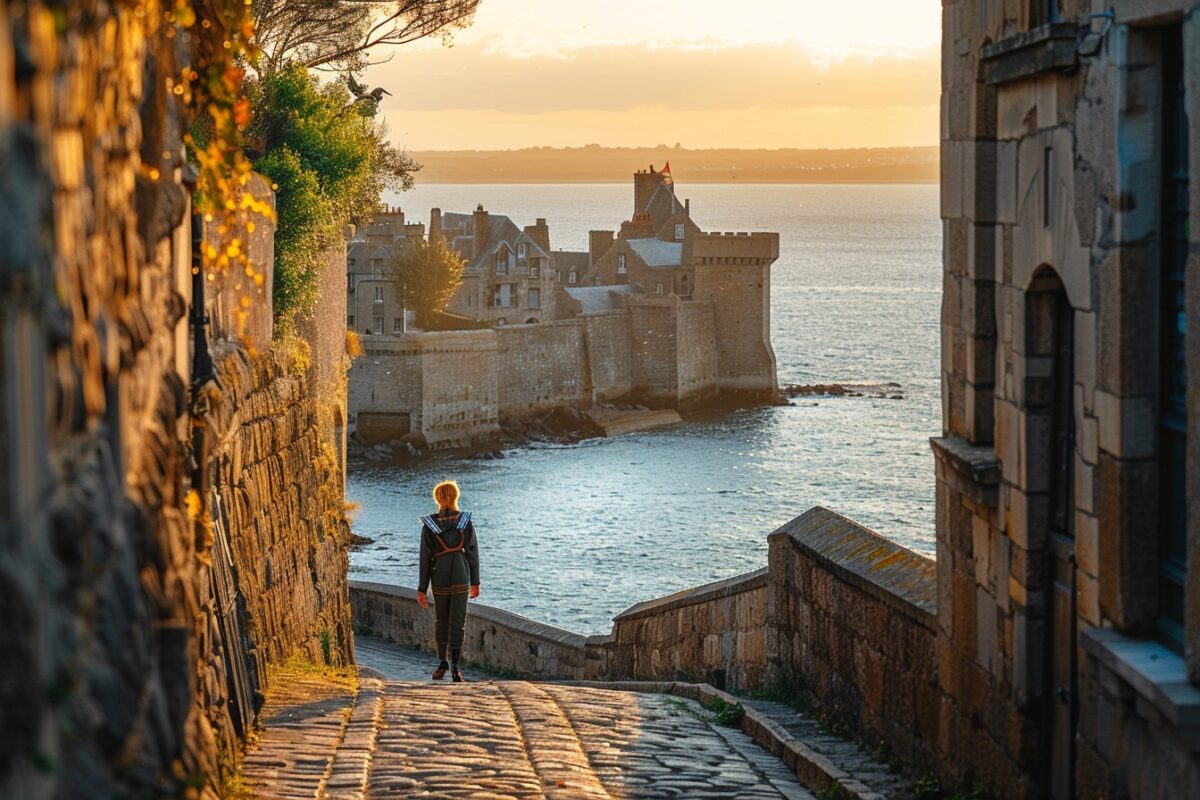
738	73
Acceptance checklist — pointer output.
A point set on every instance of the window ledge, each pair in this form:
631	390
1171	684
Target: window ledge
974	469
1047	48
1154	673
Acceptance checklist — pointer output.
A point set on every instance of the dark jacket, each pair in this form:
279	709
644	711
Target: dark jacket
449	553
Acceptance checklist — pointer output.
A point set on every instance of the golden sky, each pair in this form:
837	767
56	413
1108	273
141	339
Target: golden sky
738	73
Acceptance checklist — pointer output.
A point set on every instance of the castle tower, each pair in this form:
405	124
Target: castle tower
644	185
733	272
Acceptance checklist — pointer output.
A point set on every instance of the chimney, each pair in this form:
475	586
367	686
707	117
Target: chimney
599	243
540	233
435	225
687	207
483	230
644	184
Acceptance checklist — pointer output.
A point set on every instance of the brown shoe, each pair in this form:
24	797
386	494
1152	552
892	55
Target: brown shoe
456	676
440	672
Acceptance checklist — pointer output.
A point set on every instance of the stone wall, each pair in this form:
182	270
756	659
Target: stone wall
495	638
654	349
124	635
541	366
607	354
714	634
697	376
1061	219
112	678
851	616
277	473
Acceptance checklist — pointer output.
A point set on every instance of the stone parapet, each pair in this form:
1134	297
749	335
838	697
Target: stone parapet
715	633
495	638
851	618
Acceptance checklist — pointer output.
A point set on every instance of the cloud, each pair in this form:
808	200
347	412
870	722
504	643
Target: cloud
484	76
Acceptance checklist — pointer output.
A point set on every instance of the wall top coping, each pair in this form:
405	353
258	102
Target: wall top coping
697	594
427	340
498	616
900	577
1153	671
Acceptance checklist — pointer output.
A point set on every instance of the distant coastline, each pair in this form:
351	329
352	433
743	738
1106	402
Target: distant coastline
595	164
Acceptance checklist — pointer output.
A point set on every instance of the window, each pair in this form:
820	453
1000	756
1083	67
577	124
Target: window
621	267
1172	426
535	298
398	325
505	295
572	277
679	231
535	267
350	322
520	253
378	294
659	289
502	262
378	324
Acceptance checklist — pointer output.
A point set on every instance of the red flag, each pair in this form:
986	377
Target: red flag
666	173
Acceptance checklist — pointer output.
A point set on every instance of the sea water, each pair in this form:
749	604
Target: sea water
571	535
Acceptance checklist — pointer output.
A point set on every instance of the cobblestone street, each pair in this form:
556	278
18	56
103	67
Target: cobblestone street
496	739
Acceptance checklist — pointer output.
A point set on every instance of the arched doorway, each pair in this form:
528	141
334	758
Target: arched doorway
1050	410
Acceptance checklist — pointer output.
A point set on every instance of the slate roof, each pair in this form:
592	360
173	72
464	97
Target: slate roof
663	205
601	298
503	231
657	253
567	260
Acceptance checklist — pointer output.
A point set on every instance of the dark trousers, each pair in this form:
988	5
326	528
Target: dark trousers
451	626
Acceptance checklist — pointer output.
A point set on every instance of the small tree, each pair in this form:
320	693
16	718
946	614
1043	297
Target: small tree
426	277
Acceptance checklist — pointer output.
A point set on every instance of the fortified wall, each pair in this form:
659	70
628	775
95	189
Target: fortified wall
454	387
138	635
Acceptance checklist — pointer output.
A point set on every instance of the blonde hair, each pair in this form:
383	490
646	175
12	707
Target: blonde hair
446	495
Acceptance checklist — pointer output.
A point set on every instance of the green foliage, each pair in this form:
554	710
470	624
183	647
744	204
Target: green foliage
326	645
927	787
727	714
426	276
329	160
833	791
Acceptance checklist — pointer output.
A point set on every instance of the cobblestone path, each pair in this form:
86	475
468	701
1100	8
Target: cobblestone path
499	739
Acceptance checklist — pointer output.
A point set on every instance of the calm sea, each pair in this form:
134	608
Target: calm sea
574	535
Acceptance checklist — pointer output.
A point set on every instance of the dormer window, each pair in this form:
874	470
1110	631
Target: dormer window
679	231
572	277
502	262
621	267
521	253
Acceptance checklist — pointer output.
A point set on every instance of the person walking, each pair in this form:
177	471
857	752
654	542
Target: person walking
450	562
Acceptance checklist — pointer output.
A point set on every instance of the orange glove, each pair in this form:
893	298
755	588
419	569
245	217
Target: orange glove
475	591
422	600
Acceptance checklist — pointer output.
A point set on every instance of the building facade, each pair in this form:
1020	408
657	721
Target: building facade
371	306
1068	494
508	277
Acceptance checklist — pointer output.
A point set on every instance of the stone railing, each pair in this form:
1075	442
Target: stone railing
496	638
714	633
852	619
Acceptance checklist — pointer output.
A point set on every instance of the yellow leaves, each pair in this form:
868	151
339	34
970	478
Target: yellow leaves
354	347
192	503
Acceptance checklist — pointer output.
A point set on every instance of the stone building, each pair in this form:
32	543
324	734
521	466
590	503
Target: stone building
370	290
1068	476
509	275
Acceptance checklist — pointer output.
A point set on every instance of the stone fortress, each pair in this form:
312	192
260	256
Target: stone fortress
659	313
